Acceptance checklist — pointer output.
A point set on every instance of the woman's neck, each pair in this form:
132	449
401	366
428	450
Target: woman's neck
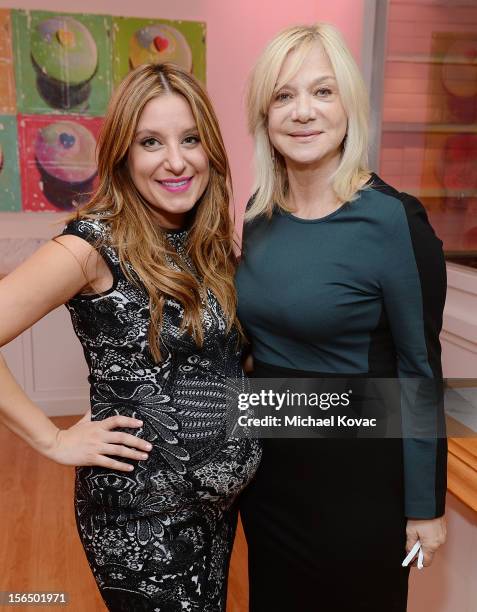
311	194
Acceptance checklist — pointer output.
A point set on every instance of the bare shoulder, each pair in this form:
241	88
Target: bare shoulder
84	253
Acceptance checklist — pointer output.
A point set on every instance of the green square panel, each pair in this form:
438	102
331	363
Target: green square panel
62	62
10	199
138	41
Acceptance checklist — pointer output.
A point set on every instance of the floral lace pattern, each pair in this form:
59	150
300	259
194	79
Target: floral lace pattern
159	539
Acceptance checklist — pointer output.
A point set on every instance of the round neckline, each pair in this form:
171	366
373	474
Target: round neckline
296	219
340	209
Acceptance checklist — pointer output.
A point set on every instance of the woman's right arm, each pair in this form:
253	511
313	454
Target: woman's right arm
50	277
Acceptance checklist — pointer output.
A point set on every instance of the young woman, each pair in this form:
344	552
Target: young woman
146	270
342	276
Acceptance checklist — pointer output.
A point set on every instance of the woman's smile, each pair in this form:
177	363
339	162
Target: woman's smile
176	185
305	136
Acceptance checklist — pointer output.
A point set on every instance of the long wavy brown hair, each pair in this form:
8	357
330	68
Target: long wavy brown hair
134	232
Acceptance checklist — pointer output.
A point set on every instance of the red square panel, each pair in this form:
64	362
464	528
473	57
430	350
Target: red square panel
57	160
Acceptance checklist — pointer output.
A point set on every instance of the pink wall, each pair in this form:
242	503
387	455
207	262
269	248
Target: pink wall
236	32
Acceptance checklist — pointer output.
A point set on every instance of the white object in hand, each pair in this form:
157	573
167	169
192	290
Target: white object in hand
420	557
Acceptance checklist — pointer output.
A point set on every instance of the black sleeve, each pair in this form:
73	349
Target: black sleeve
414	290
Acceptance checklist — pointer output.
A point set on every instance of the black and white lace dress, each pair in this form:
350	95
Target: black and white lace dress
159	538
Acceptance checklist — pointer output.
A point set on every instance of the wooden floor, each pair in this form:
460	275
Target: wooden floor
39	546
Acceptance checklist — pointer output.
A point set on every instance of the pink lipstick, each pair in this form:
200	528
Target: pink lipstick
176	185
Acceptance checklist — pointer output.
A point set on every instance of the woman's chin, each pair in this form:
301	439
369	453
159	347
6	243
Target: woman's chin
313	160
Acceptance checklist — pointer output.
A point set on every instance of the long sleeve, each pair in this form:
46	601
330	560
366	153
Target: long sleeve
414	289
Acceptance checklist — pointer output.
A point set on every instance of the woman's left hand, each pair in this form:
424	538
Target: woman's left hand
431	533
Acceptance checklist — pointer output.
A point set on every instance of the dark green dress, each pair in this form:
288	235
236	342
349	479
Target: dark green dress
359	292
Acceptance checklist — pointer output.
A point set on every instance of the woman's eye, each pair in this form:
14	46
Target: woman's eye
323	92
192	140
150	143
282	96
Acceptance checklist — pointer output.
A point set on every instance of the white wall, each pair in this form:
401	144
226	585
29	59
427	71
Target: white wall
459	335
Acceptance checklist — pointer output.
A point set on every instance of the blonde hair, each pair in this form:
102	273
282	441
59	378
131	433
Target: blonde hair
135	235
271	181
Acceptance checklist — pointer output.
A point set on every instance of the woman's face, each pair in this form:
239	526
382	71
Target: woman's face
166	160
306	120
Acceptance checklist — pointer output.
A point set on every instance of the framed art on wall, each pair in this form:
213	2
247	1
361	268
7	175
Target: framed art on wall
57	157
57	72
7	79
10	200
62	62
137	41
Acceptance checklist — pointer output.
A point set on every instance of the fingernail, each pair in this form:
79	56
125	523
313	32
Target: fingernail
138	422
148	446
144	455
131	467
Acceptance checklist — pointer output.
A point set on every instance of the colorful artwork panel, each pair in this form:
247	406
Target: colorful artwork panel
138	41
7	79
57	72
57	160
454	77
62	62
10	195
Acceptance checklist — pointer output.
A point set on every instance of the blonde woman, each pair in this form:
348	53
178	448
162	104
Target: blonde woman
342	276
146	270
